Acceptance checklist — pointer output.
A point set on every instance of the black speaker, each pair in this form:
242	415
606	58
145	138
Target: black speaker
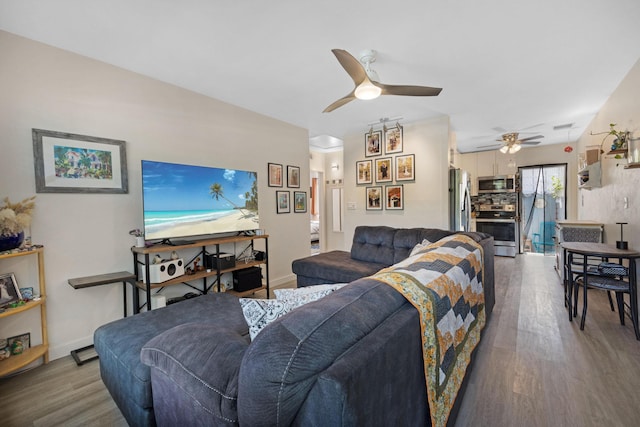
247	279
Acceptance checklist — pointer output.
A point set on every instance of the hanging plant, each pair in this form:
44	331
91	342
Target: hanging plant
556	187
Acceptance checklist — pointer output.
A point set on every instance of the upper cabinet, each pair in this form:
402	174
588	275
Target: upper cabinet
485	163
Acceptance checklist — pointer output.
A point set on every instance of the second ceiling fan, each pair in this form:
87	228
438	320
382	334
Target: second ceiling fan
511	143
366	80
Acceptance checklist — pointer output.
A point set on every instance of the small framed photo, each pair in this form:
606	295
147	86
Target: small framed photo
364	174
384	170
373	143
299	201
275	175
19	343
394	197
26	293
374	198
405	167
9	290
293	176
282	202
393	140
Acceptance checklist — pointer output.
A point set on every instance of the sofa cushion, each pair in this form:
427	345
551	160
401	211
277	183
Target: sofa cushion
373	244
260	312
119	343
205	370
309	340
301	296
334	267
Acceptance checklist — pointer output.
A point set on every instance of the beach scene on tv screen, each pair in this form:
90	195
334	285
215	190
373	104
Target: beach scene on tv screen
185	200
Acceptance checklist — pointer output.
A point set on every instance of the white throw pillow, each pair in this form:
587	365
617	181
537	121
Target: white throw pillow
260	312
419	247
301	296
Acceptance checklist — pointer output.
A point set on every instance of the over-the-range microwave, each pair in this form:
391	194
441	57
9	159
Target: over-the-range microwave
497	184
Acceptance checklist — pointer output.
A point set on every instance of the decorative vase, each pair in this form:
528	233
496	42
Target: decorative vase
11	241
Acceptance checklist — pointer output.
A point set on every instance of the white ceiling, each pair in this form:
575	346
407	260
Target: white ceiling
504	65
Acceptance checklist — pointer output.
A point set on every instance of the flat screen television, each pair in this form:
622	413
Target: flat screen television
185	200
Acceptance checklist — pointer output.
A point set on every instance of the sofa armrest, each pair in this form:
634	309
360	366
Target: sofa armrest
194	372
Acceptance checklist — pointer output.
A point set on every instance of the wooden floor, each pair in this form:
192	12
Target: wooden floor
534	368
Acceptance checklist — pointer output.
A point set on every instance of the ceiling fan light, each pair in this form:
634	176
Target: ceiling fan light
366	90
504	149
515	148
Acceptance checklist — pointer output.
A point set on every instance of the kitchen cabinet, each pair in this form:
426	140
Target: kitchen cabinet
492	163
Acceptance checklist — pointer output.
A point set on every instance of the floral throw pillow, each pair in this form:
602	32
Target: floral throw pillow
301	296
419	247
260	312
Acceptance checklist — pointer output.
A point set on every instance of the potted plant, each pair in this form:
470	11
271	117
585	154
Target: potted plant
14	219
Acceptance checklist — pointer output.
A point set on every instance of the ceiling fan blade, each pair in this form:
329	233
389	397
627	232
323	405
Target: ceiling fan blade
351	65
490	145
408	90
530	142
340	102
531	137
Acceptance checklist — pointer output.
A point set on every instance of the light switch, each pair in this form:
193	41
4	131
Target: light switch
352	206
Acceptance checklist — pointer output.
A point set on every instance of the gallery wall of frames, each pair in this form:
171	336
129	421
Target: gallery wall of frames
385	169
277	176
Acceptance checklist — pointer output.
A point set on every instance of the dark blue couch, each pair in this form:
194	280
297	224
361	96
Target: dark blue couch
352	358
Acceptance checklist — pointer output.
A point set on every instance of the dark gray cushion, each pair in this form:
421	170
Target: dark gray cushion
308	341
196	373
373	244
119	343
334	267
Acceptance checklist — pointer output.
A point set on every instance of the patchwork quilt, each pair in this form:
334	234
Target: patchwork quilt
443	281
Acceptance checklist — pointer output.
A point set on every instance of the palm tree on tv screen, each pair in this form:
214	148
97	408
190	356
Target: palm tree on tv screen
217	191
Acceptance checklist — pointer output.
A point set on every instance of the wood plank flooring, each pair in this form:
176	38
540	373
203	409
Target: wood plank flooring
534	368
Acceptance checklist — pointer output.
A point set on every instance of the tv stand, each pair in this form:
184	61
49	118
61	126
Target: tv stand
169	242
142	259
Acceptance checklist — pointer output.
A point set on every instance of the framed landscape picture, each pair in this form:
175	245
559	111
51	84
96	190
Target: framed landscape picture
275	175
374	198
394	197
393	140
384	170
299	201
373	143
364	174
282	202
405	167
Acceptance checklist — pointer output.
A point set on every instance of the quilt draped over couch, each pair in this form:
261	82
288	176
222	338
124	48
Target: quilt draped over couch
444	283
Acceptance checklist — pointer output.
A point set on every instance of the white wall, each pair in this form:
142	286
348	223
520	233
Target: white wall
87	234
425	200
606	204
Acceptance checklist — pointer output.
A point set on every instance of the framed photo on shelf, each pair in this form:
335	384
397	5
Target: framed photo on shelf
293	177
299	201
394	197
393	140
19	343
406	167
71	163
384	170
364	174
373	143
374	198
9	290
275	175
282	202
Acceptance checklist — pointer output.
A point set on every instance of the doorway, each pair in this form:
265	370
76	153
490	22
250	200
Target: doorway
543	195
315	208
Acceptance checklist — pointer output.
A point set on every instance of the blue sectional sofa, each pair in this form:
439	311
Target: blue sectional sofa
351	358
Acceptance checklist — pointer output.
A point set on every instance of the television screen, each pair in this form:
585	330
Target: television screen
185	200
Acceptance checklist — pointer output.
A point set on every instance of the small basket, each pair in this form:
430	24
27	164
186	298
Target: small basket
611	269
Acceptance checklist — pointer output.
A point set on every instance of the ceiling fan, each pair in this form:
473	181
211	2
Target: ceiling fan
367	82
511	143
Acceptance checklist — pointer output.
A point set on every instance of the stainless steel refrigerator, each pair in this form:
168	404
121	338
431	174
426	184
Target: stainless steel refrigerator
459	200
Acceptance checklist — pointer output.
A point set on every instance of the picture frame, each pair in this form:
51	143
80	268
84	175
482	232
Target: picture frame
9	289
364	173
73	163
373	143
293	176
384	169
373	198
283	204
275	174
393	141
26	293
299	201
394	197
24	338
406	167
